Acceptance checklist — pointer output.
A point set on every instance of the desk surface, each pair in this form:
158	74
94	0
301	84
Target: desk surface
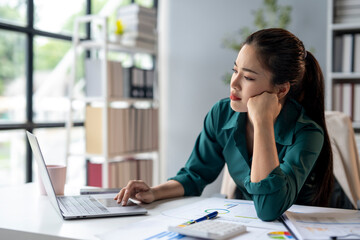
25	214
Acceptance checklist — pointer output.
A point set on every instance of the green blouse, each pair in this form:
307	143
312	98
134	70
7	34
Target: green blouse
298	140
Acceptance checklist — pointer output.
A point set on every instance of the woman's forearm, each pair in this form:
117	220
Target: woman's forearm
170	189
265	157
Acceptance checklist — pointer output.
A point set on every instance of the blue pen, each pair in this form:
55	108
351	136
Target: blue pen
206	217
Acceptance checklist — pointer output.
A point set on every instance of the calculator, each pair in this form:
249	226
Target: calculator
210	229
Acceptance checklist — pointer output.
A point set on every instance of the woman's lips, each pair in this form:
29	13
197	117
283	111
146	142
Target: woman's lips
234	98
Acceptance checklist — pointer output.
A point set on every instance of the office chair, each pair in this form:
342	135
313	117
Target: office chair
346	161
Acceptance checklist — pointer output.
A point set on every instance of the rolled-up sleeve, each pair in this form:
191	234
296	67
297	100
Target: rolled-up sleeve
206	160
275	194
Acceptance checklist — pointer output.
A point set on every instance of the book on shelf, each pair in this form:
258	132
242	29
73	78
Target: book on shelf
121	172
356	117
347	57
145	170
357	52
138	43
337	97
344	95
129	19
338	53
93	130
347	102
346	3
123	82
140	26
130	35
115	81
137	9
128	130
346	11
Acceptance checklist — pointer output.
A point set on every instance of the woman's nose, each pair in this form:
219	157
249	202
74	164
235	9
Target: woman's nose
235	83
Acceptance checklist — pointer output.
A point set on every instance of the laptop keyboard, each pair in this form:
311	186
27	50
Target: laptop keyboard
81	205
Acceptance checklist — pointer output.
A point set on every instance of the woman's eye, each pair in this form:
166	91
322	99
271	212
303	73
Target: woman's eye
234	70
249	78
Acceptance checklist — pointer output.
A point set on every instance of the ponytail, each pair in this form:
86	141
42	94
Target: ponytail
311	97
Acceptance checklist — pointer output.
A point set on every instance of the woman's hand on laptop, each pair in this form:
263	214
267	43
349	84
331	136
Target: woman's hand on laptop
136	189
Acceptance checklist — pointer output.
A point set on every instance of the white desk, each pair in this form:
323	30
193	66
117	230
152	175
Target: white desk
26	215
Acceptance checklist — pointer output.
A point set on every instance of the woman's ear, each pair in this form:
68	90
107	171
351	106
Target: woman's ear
282	90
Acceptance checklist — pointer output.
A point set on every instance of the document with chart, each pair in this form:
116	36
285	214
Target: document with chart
241	211
323	223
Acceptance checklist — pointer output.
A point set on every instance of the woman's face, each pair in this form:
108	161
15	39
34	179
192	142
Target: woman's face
250	78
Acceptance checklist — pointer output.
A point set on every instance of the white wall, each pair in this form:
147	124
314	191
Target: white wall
193	61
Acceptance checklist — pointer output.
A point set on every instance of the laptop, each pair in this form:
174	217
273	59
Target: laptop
80	206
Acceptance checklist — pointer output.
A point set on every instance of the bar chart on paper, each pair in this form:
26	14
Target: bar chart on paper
280	235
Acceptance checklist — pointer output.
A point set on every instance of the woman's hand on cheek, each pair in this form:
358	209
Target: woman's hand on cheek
265	106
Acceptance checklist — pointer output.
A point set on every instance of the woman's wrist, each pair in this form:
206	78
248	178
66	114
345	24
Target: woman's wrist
263	124
155	191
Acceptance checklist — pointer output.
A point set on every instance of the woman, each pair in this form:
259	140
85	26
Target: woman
271	132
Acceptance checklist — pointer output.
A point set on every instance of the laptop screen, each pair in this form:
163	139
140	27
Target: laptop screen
43	170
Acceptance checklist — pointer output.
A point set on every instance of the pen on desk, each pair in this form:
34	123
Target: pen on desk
206	217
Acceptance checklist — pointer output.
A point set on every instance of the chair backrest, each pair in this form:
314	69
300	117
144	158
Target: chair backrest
345	154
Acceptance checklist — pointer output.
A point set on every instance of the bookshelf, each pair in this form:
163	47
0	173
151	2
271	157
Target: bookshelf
343	59
121	131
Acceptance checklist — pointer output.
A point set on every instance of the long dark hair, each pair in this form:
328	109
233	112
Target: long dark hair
284	55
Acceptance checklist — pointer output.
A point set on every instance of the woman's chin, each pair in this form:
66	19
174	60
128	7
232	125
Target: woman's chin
238	107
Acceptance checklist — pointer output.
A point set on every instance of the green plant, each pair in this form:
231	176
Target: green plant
270	15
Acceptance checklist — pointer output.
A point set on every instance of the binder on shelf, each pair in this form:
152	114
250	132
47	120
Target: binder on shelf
94	174
127	76
338	53
137	83
149	84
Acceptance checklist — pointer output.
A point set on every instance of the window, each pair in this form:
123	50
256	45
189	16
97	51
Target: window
35	63
12	77
35	68
58	16
13	12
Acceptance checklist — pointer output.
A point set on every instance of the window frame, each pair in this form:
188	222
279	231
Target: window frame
30	33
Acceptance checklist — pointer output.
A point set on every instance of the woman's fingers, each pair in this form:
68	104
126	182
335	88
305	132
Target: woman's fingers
132	188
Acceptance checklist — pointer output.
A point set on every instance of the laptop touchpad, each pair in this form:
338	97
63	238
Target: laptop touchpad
110	202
